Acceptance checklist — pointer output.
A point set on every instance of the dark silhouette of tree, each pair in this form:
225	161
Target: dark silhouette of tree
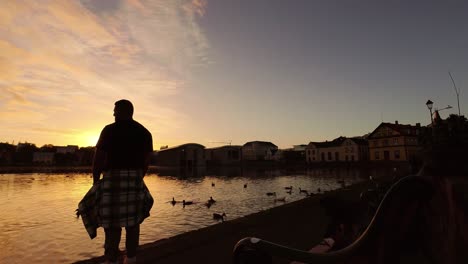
7	152
66	159
48	148
85	156
291	156
24	153
444	146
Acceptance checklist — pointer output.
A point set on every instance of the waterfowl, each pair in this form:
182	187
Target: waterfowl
211	200
212	184
245	185
318	189
289	192
288	188
173	202
271	193
187	202
303	191
219	216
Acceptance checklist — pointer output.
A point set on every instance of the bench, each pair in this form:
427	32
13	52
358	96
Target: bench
395	231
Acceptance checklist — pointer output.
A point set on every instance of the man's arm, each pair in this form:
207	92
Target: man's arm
147	162
149	152
99	163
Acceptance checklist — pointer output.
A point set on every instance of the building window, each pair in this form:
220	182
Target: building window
329	156
395	141
385	142
397	154
351	150
308	152
313	151
352	158
377	155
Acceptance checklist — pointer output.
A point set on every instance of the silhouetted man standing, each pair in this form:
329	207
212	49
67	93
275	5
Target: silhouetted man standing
122	154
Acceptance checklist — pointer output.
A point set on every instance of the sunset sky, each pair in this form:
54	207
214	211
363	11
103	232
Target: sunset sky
206	71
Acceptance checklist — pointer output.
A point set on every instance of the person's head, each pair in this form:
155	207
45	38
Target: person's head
123	110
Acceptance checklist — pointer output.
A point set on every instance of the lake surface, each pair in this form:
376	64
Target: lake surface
37	211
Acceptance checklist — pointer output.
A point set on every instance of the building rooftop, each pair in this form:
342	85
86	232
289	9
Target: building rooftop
260	143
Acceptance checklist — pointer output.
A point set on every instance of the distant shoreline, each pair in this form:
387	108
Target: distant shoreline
45	169
157	169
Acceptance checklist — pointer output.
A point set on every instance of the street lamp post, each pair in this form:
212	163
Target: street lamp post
429	105
457	92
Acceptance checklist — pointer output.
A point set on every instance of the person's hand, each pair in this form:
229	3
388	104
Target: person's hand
96	177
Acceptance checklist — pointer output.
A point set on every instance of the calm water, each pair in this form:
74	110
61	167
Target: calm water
38	224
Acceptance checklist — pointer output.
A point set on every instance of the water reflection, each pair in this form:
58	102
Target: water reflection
40	207
255	172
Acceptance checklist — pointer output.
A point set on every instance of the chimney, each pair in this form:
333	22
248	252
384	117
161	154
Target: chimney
396	122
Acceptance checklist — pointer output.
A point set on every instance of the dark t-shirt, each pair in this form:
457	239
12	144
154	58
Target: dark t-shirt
126	144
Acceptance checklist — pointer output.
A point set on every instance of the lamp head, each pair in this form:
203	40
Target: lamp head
429	104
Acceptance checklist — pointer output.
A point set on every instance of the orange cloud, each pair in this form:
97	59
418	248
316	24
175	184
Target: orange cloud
137	4
67	63
79	21
200	6
16	95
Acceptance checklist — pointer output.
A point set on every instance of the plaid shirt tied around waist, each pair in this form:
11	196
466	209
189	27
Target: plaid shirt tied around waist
120	199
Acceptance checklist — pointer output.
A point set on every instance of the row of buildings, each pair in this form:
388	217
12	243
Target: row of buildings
193	155
28	153
388	142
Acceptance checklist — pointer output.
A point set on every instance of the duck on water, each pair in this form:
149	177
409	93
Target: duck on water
219	217
184	203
